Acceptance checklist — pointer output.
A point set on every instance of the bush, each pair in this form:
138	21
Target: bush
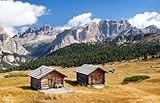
15	75
135	78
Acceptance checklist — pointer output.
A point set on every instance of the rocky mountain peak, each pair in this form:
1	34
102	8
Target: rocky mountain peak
3	35
7	44
150	29
50	38
46	26
32	35
118	32
33	31
10	50
34	39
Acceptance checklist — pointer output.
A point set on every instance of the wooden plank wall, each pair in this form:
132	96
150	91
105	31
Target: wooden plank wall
96	77
35	83
82	79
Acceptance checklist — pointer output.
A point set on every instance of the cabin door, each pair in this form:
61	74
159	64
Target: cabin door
93	80
97	79
51	83
54	82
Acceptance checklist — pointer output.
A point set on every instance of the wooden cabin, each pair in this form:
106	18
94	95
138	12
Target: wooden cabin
45	77
90	75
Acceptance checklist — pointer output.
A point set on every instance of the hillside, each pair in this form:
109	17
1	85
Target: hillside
40	41
152	37
17	89
98	53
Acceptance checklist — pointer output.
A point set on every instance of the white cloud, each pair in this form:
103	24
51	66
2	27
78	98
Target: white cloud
80	20
146	19
17	13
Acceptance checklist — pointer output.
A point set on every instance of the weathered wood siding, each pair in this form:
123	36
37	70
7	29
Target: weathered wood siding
35	83
96	77
82	79
51	80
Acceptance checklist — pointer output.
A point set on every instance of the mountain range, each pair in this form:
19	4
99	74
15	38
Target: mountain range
46	39
35	39
40	41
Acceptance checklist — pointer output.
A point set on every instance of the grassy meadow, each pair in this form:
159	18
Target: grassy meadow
16	89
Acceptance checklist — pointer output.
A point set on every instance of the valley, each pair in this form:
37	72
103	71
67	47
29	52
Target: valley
79	51
41	41
17	89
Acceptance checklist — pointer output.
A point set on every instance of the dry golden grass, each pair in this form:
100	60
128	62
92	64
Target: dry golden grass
17	90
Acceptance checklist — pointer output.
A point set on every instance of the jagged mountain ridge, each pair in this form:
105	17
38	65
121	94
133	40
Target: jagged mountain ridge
35	39
106	30
118	32
34	35
139	37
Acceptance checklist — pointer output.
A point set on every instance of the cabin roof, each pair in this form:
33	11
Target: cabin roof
87	69
42	71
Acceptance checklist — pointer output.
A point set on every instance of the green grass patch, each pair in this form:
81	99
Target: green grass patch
135	78
16	75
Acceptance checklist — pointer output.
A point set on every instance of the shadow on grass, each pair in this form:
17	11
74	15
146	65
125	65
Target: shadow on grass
72	82
26	88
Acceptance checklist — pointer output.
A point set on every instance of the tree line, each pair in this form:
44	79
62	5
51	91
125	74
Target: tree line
97	53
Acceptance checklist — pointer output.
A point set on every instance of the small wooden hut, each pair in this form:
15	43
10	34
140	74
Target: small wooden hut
90	75
45	77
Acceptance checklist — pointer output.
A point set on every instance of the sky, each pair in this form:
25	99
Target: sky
71	13
63	10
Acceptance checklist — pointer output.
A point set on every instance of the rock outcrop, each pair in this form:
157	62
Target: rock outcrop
10	49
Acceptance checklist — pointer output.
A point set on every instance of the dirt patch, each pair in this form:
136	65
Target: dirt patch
57	90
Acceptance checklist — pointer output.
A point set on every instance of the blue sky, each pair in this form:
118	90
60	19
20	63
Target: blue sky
18	15
63	10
